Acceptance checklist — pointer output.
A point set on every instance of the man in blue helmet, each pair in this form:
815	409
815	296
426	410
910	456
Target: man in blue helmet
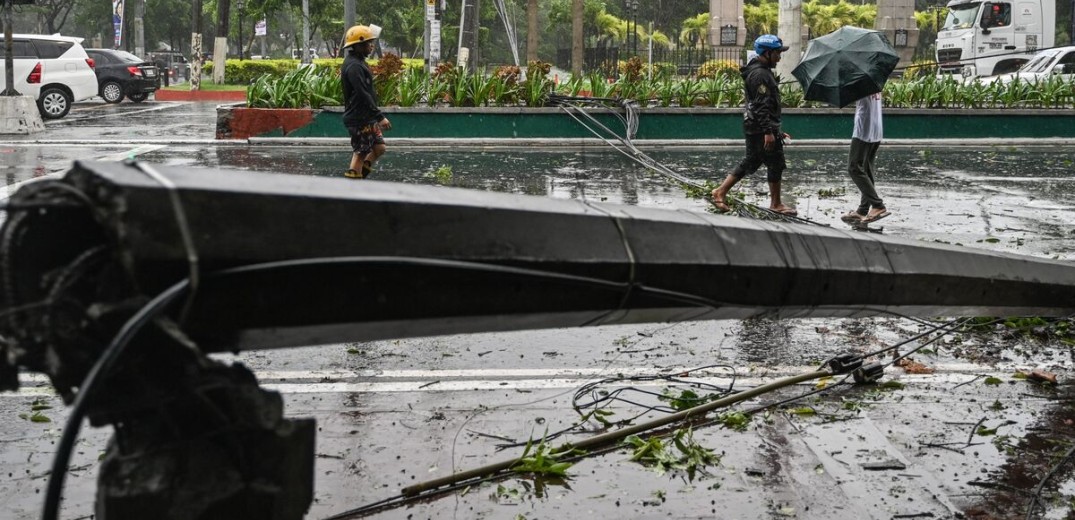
761	125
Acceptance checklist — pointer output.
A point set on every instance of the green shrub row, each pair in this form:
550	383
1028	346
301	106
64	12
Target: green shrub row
244	72
400	85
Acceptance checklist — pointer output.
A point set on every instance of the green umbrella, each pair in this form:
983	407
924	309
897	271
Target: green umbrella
845	65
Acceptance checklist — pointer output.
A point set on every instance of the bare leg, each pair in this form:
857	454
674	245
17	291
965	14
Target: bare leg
376	153
722	191
356	161
775	204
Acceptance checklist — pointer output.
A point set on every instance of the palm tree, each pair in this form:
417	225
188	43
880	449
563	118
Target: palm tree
531	30
695	30
760	19
610	27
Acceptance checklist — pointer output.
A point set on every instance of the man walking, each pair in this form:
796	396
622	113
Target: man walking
865	139
364	121
761	126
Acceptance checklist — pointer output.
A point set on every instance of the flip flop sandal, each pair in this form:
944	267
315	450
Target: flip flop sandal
876	217
721	206
852	217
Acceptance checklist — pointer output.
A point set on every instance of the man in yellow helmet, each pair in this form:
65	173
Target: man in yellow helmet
364	121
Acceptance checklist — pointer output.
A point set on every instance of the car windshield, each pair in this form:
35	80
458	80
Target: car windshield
1039	63
961	16
127	57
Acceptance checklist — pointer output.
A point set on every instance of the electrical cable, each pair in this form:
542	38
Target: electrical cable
404	498
632	152
605	438
100	369
158	304
600	399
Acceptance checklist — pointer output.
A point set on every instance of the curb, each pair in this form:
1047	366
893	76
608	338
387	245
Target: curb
199	95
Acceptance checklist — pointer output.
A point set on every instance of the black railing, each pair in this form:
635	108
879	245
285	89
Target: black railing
594	59
686	61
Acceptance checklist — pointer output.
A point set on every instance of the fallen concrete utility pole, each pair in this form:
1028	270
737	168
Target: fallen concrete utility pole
274	261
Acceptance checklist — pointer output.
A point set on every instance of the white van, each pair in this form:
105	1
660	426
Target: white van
55	70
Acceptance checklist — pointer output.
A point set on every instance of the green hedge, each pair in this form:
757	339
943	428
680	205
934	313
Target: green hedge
244	72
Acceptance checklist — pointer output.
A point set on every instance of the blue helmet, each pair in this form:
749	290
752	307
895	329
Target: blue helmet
768	42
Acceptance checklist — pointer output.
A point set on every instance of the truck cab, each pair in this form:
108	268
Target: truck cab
984	38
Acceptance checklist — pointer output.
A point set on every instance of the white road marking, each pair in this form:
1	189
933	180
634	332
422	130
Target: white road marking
395	381
6	191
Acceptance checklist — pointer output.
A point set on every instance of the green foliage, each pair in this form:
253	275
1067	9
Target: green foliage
443	174
737	421
687	456
695	192
681	401
305	87
275	86
1046	329
831	193
541	460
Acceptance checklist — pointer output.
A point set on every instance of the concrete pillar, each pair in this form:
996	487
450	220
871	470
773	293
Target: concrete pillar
19	115
791	32
727	28
895	18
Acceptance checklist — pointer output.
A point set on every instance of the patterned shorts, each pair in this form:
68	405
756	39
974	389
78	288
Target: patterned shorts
365	138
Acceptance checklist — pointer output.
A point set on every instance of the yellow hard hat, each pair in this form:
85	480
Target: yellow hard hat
361	34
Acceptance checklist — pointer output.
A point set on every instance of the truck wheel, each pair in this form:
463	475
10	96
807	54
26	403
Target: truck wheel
112	92
138	98
54	103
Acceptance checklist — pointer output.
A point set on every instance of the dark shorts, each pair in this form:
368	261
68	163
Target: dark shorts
365	138
757	155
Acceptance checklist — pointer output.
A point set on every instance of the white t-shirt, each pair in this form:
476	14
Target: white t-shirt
868	119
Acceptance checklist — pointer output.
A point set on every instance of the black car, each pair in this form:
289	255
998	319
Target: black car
120	73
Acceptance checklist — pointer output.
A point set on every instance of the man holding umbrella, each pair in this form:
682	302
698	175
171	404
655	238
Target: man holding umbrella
865	139
761	125
851	65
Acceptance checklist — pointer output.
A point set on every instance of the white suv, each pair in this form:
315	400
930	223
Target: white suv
55	70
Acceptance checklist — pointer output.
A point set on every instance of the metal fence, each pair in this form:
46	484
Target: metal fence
686	61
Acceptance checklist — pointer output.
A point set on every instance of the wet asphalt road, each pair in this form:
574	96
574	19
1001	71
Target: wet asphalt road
394	413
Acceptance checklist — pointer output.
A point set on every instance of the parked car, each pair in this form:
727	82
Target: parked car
1058	62
54	69
120	73
174	66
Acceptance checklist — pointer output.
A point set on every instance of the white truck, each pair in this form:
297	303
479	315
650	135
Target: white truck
984	38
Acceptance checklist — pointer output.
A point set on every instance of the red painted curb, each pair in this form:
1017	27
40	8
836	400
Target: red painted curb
200	95
242	123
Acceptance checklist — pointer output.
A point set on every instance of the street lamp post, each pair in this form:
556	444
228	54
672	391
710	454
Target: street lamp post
241	4
632	25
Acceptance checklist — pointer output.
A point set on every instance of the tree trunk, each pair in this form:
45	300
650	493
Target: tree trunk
196	45
531	31
220	43
577	55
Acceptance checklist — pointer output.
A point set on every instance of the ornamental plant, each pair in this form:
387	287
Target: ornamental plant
450	86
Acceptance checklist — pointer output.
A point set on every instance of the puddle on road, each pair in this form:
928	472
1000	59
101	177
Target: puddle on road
1002	199
787	464
1007	200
